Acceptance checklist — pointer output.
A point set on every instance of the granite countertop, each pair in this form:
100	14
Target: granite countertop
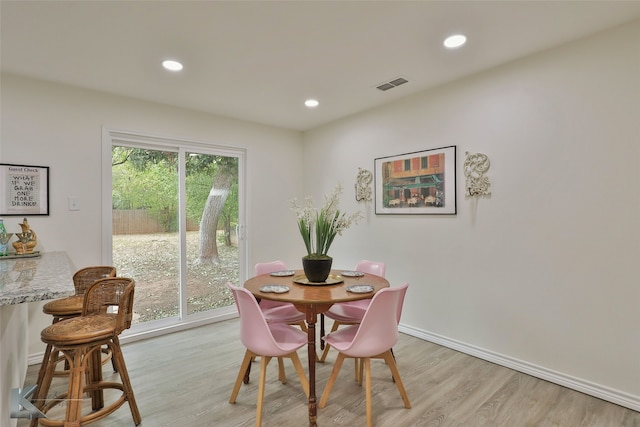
48	276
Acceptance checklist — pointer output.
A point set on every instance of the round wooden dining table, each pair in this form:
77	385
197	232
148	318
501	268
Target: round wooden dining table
313	299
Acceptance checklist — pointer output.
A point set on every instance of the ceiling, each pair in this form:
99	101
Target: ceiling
259	60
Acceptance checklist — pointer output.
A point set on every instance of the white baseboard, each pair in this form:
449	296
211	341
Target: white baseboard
35	358
605	393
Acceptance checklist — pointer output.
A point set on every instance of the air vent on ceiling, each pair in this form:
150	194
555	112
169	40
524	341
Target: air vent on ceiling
393	83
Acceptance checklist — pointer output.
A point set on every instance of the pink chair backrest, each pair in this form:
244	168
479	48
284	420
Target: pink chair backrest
372	267
378	331
254	331
265	268
270	267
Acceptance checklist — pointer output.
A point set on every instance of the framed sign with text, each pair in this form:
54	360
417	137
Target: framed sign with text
24	190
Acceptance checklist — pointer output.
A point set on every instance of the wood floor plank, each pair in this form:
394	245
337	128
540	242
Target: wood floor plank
185	379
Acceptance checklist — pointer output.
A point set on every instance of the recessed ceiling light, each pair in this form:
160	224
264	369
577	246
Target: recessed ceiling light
172	65
311	103
455	41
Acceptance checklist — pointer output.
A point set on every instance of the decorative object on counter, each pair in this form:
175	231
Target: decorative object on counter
318	228
363	185
21	244
13	255
4	239
4	243
27	240
475	166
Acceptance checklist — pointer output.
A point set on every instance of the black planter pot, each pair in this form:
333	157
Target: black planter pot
317	269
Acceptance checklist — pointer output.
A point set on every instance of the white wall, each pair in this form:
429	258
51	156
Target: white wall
541	276
58	126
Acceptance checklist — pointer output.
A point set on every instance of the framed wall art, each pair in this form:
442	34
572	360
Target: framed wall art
24	190
422	182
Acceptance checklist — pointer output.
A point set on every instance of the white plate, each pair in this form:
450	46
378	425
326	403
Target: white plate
360	289
278	289
283	273
352	273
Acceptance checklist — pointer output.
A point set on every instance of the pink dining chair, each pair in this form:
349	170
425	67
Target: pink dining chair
266	340
351	313
373	338
275	311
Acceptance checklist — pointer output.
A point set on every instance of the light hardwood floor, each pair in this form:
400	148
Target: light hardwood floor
185	379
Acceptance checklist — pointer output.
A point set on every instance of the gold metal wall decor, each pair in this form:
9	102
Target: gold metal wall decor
363	185
476	183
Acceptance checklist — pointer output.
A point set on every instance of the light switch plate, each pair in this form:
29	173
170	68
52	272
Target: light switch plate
74	204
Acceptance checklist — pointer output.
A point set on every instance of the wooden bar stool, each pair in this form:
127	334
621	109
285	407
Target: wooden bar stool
66	308
106	312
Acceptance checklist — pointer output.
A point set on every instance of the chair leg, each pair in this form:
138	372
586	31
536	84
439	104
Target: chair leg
394	358
94	375
247	374
367	379
43	369
323	356
327	346
302	325
300	370
365	364
365	372
331	381
77	373
281	375
49	366
322	343
121	368
108	356
388	357
264	361
246	363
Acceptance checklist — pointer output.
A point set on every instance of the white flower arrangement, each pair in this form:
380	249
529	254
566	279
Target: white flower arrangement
319	227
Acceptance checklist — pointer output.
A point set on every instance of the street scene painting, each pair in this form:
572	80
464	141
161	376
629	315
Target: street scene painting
422	182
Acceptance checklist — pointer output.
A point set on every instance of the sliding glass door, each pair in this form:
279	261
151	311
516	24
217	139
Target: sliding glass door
175	212
211	188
